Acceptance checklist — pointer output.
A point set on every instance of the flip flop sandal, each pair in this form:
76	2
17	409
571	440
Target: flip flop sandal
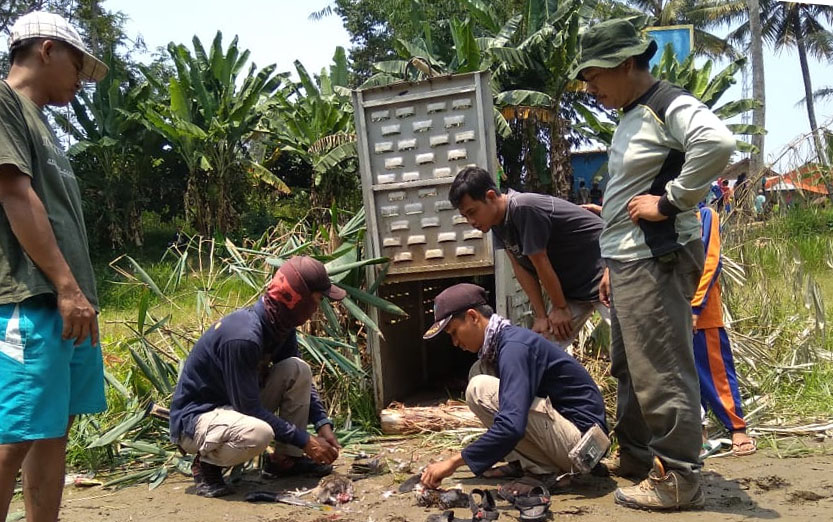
751	446
713	446
534	506
485	509
518	488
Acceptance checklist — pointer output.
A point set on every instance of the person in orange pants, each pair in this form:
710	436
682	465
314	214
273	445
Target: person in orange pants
712	351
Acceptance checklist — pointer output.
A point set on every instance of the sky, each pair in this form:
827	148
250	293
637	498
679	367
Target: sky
280	31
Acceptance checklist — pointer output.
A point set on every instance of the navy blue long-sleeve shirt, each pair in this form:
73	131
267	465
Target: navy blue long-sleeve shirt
529	366
223	370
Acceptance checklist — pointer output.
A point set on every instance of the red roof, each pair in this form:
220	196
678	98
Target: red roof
808	178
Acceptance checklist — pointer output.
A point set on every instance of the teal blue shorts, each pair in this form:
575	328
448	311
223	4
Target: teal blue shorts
44	379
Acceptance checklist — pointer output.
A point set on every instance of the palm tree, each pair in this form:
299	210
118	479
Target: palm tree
756	53
784	25
677	12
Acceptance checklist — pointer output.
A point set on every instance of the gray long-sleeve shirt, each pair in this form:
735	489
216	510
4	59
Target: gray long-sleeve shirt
667	144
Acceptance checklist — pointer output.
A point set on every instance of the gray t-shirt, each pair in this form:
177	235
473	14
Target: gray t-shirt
28	143
569	234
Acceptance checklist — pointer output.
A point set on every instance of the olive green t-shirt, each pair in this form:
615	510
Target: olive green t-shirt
28	143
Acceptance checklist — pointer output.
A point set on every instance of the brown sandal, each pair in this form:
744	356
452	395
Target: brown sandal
747	447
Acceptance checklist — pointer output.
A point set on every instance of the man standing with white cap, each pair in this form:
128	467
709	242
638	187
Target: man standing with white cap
50	359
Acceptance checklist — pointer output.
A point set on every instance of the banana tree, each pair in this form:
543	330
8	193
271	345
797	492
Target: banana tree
313	119
209	119
114	156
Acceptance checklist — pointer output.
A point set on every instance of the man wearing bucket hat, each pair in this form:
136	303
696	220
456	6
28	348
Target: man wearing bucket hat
667	149
50	358
535	399
244	368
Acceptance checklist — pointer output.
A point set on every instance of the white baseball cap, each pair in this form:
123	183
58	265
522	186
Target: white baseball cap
40	24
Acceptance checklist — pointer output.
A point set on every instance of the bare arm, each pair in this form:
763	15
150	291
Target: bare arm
436	472
532	289
560	318
30	225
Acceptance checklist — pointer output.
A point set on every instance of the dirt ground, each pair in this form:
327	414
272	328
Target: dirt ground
757	487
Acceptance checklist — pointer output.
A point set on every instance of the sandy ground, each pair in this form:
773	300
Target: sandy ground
757	487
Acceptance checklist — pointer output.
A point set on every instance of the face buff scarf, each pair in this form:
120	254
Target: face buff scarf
288	301
488	352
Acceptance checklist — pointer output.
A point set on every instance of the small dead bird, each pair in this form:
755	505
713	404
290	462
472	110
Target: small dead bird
334	489
410	484
376	465
441	498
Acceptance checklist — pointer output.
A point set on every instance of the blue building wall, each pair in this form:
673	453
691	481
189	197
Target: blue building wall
586	166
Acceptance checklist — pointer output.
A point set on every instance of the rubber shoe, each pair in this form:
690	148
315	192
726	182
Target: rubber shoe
625	466
662	491
208	479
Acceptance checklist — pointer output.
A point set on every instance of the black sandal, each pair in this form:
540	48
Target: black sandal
535	505
485	509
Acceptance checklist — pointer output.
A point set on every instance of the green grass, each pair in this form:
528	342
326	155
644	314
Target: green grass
777	313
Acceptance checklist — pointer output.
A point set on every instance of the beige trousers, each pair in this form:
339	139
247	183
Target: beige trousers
225	437
549	436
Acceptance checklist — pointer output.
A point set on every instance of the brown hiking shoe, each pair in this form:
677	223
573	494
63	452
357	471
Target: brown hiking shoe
624	465
662	491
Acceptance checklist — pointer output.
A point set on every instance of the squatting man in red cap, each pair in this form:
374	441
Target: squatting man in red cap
245	368
536	400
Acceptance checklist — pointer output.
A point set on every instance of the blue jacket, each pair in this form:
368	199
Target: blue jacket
529	366
223	370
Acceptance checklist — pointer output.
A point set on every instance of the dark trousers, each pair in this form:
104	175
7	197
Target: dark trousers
658	409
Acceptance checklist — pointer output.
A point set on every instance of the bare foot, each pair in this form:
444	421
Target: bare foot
743	444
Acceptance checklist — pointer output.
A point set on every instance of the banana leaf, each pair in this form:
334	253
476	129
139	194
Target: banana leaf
359	314
373	300
115	433
144	277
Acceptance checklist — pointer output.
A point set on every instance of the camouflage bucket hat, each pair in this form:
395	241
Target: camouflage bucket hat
608	44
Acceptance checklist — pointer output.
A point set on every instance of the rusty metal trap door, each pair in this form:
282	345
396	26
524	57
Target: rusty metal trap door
413	139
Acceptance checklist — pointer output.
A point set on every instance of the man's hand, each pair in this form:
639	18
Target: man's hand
694	321
645	207
326	432
561	322
436	472
604	288
592	207
541	325
78	317
319	450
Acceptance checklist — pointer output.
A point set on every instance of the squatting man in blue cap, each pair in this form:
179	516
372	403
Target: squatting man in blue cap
534	398
667	149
